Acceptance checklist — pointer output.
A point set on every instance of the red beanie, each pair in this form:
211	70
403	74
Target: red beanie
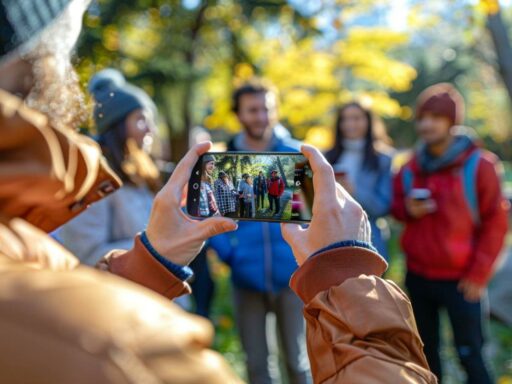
443	100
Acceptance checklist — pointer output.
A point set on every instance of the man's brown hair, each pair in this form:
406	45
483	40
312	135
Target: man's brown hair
247	89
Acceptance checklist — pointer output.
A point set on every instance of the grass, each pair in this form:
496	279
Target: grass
226	342
286	208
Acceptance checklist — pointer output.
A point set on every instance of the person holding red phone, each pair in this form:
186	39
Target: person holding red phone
449	197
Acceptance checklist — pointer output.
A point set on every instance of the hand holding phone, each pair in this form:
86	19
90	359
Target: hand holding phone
174	235
419	203
336	215
420	194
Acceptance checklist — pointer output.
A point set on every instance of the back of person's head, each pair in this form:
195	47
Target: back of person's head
441	99
375	135
36	40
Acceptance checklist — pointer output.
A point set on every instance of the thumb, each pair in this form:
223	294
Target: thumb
215	226
291	232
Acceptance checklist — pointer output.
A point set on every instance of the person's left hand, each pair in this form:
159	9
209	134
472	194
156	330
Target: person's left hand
170	231
471	291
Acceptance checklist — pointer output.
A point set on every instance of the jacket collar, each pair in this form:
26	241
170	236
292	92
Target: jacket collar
47	175
237	143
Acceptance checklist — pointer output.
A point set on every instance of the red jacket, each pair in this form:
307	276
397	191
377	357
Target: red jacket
275	186
452	243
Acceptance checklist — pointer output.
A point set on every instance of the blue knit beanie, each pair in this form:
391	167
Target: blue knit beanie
114	97
22	20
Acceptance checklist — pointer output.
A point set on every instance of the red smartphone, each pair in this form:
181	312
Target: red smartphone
263	186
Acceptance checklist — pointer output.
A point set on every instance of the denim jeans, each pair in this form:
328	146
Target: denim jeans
260	200
203	286
242	207
274	200
466	318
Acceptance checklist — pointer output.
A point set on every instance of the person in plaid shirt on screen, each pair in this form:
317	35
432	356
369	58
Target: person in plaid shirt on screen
225	195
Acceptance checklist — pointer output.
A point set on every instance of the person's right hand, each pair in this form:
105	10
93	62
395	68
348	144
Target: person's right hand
420	208
345	183
336	215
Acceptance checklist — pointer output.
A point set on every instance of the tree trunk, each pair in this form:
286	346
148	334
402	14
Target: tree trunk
180	142
281	171
503	48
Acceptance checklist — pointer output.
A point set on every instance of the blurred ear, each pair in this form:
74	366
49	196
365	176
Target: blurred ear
16	76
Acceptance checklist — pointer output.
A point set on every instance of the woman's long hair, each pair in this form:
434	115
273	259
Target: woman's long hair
132	165
375	136
113	145
204	175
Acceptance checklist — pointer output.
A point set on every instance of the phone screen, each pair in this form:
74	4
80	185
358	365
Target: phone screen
252	186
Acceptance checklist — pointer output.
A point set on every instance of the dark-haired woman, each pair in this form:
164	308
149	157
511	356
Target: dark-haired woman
361	158
124	117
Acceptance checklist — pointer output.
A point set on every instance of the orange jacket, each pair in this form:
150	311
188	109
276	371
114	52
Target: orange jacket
63	323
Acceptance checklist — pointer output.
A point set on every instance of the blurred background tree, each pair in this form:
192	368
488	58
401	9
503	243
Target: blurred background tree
189	54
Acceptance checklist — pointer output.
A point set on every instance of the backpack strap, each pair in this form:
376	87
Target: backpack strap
407	179
469	174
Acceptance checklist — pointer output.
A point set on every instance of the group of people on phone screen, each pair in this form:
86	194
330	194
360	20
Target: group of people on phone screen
244	200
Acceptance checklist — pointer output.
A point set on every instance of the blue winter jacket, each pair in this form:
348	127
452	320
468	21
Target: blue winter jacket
259	258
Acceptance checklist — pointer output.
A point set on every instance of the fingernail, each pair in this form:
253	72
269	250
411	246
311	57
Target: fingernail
229	226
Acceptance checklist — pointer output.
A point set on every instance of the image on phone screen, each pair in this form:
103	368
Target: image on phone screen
251	186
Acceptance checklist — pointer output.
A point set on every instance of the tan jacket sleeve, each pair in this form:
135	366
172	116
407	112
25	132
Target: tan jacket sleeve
360	328
139	266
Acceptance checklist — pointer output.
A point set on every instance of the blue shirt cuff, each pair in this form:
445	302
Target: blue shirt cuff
347	243
182	272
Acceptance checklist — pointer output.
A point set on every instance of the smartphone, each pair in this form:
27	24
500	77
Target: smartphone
420	194
266	186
